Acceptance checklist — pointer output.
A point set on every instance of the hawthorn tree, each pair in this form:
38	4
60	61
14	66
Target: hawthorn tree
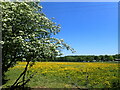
27	34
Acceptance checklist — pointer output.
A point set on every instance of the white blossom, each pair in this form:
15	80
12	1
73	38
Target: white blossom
1	42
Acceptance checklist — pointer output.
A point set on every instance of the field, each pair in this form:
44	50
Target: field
68	75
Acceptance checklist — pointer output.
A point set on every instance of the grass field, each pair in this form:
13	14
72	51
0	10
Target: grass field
68	74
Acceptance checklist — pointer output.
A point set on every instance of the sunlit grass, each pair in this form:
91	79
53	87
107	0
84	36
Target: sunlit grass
68	74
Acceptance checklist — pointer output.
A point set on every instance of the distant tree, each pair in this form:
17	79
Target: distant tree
88	58
97	58
79	59
110	58
106	58
91	58
102	58
118	56
115	56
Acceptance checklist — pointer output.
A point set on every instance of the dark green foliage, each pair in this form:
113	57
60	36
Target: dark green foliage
88	58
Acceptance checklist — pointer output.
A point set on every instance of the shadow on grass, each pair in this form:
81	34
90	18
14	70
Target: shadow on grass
29	88
17	88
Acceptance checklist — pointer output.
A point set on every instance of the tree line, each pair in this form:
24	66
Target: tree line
85	58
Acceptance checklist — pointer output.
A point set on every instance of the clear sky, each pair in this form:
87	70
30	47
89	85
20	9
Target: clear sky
91	28
79	0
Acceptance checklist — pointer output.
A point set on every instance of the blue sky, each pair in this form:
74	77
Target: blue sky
91	28
80	0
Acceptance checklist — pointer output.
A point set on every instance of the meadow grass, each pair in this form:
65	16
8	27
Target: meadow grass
68	74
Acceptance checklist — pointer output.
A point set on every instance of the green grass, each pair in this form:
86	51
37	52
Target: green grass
68	75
